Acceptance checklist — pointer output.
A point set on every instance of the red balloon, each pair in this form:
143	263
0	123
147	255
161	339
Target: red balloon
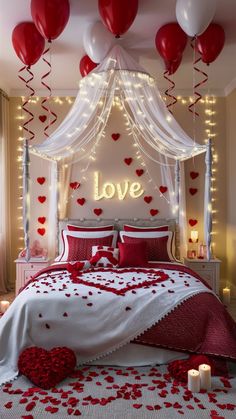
210	43
86	65
172	66
118	15
50	16
171	41
27	42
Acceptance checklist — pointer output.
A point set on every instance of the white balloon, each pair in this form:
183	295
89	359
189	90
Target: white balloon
97	42
194	16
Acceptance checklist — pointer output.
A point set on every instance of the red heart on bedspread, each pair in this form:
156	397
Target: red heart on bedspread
44	368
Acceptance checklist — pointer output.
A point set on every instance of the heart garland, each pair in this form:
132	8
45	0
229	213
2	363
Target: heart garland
147	199
41	180
81	201
115	137
193	191
41	220
74	185
42	199
97	211
41	231
128	161
154	212
194	175
139	172
192	222
163	189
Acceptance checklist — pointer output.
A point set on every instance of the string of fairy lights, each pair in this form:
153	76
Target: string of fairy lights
207	106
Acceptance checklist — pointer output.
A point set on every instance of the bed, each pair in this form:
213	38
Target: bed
123	315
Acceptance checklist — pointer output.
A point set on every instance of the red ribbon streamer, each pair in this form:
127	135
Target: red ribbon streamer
24	105
46	99
197	95
167	91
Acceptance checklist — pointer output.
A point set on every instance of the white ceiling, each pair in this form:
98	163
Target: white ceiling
67	50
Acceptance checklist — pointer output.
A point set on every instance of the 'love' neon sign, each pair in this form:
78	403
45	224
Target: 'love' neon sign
109	189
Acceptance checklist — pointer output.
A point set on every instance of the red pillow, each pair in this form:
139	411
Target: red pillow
81	248
133	254
127	227
156	247
71	227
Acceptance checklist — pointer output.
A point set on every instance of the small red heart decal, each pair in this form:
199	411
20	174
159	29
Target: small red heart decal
81	201
41	231
154	212
115	137
97	211
192	191
41	180
42	199
139	172
163	189
42	118
193	175
128	160
192	222
74	185
41	220
148	199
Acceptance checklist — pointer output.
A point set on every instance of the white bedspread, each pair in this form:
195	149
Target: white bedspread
89	317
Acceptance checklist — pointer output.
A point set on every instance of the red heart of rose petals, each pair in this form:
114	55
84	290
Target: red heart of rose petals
41	220
192	222
148	199
41	231
74	185
41	180
42	118
139	172
192	191
128	160
163	189
115	137
154	212
44	368
194	175
97	211
81	201
42	199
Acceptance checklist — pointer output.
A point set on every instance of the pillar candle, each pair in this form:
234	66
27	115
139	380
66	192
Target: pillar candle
4	306
194	381
226	296
205	376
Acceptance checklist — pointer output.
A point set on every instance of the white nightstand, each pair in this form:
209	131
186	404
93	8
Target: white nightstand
207	269
26	270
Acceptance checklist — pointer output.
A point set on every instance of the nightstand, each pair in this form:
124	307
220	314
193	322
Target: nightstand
207	269
26	270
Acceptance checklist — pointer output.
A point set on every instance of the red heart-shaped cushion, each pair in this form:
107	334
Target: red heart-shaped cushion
192	222
148	199
42	118
139	172
193	175
163	189
41	180
44	368
81	201
41	220
128	160
115	137
41	231
42	199
97	211
154	212
74	185
192	191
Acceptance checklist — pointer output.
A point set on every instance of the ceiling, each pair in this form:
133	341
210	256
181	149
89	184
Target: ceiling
67	50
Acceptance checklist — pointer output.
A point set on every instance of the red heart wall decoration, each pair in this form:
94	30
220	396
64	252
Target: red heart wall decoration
42	199
41	180
81	201
97	211
41	220
139	172
194	175
193	191
128	160
42	118
74	185
147	199
154	212
163	189
41	231
115	137
192	222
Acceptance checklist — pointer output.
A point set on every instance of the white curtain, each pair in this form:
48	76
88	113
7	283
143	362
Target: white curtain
4	194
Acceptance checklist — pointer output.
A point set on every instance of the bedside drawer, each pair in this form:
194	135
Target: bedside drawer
209	278
28	274
201	266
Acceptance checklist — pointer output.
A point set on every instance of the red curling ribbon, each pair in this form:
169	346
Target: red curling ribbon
167	91
24	105
46	99
197	95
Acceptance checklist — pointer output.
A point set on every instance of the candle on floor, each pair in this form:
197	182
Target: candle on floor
226	295
4	306
194	381
205	376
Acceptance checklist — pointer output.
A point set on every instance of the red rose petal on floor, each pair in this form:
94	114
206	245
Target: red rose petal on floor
8	405
137	406
30	406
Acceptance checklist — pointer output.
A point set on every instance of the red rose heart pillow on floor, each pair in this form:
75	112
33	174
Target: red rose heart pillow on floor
45	368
